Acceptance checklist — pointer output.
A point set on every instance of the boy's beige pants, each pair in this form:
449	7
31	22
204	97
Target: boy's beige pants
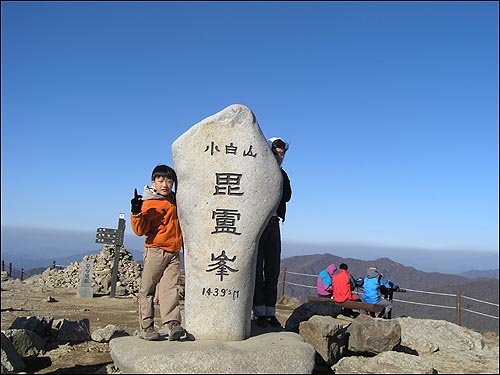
162	268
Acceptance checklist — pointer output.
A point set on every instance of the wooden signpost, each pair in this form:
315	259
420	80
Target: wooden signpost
113	237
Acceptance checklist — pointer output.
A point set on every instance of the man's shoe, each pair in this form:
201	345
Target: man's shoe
261	321
273	322
150	334
175	331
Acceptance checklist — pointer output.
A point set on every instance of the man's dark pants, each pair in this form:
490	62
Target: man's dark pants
268	269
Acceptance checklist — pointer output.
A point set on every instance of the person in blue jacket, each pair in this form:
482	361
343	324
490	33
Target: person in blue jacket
371	291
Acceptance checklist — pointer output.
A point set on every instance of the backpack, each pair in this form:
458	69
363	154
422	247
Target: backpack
325	278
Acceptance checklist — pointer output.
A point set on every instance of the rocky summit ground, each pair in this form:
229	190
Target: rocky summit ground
24	299
20	299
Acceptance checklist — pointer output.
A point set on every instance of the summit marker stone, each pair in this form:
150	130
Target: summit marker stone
85	289
229	183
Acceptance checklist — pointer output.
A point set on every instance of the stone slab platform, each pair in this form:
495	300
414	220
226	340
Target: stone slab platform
273	353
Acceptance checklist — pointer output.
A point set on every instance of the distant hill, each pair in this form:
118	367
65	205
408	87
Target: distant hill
406	277
486	274
298	285
429	260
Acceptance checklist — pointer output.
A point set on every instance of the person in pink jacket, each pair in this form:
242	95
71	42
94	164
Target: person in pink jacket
324	283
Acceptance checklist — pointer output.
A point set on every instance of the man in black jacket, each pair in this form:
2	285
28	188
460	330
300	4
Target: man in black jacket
269	254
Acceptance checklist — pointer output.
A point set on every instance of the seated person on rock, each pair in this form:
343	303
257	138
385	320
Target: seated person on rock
324	283
371	291
342	285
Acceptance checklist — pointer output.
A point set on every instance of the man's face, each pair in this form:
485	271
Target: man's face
163	185
279	154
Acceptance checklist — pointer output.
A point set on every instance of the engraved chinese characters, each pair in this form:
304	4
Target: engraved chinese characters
85	288
228	186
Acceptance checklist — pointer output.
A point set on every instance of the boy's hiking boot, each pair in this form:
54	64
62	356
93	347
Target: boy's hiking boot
150	334
175	330
273	322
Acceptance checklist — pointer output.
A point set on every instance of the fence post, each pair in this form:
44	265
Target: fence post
283	278
3	266
22	271
458	315
10	270
53	264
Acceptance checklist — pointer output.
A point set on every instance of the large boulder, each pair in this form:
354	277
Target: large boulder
41	325
373	335
11	359
73	331
384	363
430	335
327	335
107	333
27	343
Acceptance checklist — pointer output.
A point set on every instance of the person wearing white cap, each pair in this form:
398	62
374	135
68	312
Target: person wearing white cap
269	253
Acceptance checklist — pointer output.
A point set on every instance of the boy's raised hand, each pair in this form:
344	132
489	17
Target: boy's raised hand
136	203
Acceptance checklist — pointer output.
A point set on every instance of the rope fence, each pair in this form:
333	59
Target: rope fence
458	296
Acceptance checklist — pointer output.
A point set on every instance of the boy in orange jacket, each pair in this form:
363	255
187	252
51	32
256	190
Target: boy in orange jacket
154	215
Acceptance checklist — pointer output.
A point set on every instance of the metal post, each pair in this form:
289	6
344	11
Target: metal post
114	274
53	264
458	315
22	271
10	270
3	266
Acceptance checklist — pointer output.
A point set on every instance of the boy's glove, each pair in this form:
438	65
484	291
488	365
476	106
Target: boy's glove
136	203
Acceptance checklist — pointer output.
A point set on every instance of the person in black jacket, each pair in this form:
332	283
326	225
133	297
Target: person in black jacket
269	253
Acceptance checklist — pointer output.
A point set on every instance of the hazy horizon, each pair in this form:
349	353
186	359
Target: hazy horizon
40	243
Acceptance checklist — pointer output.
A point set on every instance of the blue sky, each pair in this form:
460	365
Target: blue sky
390	108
